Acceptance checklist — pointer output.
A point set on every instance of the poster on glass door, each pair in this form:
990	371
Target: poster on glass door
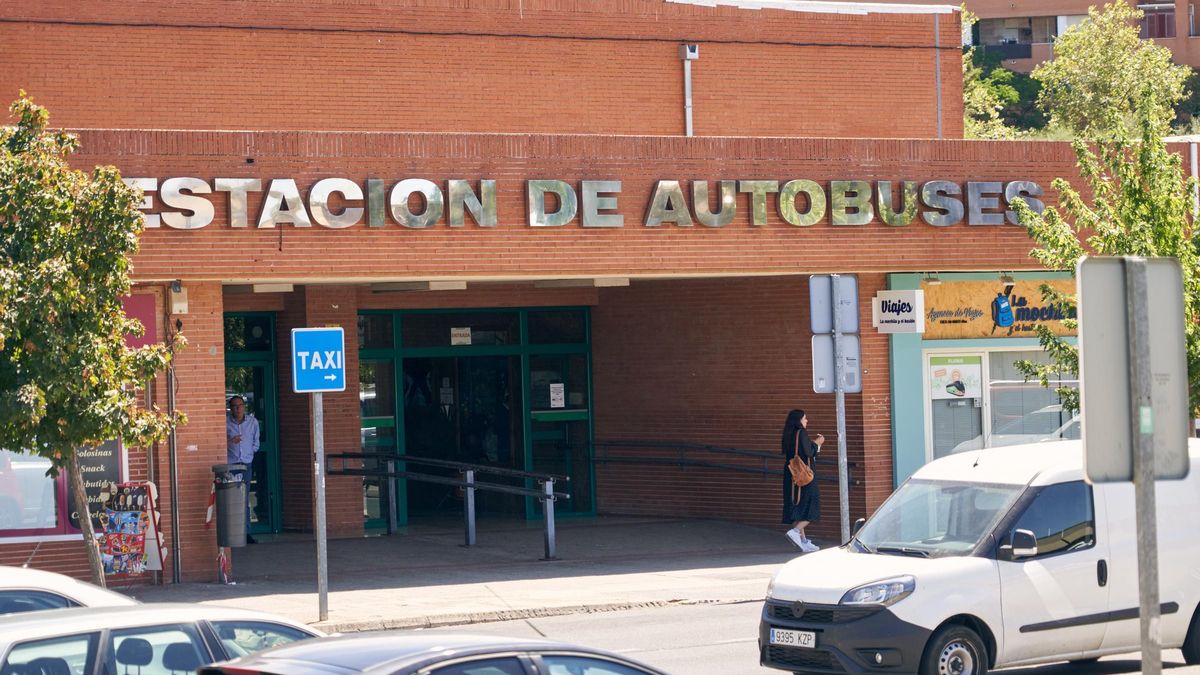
953	377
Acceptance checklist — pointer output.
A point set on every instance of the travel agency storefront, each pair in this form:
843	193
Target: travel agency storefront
956	386
554	304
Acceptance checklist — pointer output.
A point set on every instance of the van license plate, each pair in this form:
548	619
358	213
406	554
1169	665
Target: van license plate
793	638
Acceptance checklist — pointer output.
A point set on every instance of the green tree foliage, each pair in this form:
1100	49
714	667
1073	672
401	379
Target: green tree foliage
1187	111
1017	92
984	95
1104	77
1141	204
67	378
982	103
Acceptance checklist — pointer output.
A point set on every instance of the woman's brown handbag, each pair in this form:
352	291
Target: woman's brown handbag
802	473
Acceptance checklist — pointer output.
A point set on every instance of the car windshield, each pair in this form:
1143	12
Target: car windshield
935	518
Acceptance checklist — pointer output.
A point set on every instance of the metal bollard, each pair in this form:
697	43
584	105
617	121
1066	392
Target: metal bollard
548	508
469	505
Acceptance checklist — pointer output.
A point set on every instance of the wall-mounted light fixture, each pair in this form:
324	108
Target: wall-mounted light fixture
932	279
1007	278
179	299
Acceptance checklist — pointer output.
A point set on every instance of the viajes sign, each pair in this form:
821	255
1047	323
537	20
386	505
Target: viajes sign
186	203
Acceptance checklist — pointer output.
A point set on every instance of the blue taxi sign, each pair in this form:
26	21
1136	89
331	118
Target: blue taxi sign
318	360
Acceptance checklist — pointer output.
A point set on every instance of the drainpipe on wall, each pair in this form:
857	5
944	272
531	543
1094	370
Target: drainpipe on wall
1195	176
937	68
173	448
688	53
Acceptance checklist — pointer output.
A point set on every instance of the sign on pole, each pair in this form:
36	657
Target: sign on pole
319	365
1135	402
1106	317
318	360
825	369
822	314
833	312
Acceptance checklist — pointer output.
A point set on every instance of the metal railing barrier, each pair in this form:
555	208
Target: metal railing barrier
683	455
339	465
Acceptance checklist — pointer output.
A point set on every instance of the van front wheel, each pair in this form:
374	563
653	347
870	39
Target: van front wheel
954	650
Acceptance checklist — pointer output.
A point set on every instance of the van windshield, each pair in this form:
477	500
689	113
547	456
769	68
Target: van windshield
933	519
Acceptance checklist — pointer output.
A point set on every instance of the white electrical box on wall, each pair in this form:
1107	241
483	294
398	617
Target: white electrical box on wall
179	302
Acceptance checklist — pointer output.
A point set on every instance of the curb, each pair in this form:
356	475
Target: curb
443	620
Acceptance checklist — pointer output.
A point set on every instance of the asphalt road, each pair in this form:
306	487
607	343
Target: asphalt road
720	639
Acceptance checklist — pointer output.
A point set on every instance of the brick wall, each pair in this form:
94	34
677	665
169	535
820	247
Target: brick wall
329	306
717	362
531	66
295	429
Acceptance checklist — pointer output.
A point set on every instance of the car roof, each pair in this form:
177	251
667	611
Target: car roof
60	584
52	622
364	652
1041	463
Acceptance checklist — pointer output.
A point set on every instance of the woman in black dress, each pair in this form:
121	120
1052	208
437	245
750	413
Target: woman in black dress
799	511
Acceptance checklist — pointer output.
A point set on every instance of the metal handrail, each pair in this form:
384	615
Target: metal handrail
344	470
547	495
464	466
682	460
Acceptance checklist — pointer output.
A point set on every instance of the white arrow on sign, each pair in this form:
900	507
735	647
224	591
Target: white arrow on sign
331	377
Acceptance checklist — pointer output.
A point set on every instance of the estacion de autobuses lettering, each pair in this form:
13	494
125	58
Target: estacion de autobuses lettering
337	203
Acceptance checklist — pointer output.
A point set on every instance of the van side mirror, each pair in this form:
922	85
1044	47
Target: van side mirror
1022	544
858	526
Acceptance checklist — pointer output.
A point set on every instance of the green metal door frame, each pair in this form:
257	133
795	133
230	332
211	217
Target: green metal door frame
522	349
267	361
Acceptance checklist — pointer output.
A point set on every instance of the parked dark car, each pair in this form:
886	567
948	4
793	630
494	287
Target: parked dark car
431	653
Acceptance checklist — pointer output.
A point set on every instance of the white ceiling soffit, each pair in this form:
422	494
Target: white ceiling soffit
820	7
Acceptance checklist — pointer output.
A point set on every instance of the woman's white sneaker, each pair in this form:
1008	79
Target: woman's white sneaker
796	538
809	547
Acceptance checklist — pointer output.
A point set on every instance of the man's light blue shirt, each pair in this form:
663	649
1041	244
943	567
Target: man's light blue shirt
241	452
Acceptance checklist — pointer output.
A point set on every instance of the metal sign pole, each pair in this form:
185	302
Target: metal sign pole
839	377
1142	427
319	475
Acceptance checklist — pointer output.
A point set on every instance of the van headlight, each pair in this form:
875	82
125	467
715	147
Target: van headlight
885	592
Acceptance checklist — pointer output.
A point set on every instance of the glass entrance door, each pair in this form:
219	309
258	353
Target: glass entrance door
250	373
463	409
508	388
956	399
560	426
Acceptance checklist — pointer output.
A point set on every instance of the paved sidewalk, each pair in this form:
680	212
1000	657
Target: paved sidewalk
424	577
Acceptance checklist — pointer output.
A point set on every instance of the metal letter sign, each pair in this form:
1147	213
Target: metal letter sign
1105	319
318	360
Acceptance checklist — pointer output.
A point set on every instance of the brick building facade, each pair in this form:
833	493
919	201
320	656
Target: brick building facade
602	343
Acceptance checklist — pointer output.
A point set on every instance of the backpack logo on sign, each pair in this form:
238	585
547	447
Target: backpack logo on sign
1002	313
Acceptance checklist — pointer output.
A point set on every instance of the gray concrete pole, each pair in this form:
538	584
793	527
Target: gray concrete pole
318	429
1142	427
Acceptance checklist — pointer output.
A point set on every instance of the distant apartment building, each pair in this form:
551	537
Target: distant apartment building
1023	31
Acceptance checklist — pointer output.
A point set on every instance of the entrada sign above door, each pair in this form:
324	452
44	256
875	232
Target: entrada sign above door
338	203
1001	308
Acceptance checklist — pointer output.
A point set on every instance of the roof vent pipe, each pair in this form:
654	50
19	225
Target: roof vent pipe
688	53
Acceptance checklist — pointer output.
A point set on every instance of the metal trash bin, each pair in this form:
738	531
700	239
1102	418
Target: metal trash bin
231	504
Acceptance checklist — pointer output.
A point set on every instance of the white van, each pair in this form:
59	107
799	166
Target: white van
988	559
